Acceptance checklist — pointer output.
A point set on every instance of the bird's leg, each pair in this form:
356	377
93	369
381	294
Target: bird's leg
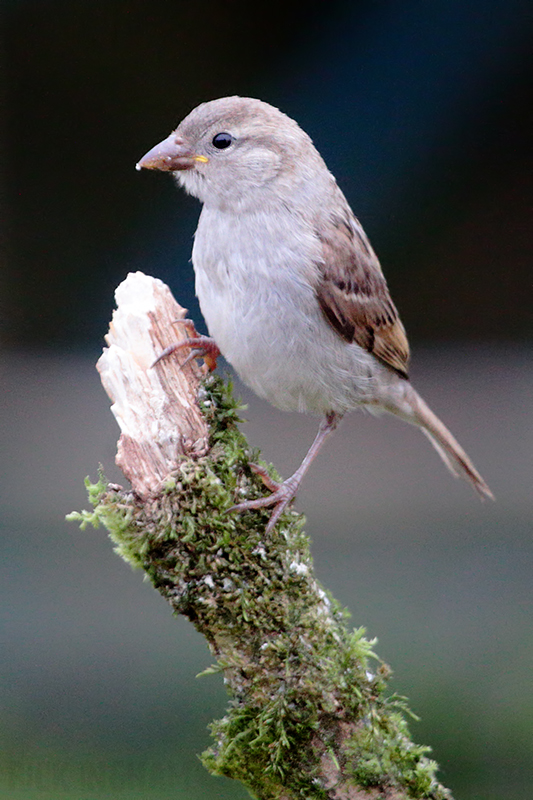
201	347
284	493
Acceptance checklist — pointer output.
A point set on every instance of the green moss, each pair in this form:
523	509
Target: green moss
293	669
380	753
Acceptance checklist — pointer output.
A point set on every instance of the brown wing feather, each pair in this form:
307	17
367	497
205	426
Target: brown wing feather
353	293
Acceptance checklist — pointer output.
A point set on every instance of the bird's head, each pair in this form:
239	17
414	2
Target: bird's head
237	153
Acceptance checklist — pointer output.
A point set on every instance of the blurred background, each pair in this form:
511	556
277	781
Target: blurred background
423	111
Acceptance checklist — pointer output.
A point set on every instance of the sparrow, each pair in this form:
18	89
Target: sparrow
291	290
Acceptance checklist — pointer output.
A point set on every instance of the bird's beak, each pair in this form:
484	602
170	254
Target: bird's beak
170	155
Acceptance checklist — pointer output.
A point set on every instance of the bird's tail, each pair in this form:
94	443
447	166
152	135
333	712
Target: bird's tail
442	440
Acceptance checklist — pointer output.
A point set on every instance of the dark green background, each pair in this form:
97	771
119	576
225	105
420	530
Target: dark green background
422	110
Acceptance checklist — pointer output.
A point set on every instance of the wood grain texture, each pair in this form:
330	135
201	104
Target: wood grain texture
155	406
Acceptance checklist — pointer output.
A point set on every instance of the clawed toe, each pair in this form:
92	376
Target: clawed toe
269	482
166	353
282	495
200	347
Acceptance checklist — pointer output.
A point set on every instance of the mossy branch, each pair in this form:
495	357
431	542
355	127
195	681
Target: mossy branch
308	716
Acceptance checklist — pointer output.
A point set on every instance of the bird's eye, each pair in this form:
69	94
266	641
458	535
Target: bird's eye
222	140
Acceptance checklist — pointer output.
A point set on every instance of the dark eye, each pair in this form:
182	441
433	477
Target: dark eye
222	140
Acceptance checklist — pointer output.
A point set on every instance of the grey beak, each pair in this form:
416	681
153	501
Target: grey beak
169	155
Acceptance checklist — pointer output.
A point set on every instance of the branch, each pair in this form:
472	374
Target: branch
307	717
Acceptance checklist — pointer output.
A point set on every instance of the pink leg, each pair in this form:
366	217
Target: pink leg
200	346
284	493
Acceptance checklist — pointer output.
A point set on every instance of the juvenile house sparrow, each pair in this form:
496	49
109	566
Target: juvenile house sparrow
289	286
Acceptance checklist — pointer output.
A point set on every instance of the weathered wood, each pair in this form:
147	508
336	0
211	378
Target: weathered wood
155	406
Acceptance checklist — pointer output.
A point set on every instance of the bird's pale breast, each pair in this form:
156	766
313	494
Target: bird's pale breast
255	279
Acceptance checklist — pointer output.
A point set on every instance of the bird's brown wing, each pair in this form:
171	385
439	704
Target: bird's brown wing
353	294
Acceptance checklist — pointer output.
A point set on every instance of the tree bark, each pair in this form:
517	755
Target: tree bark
308	715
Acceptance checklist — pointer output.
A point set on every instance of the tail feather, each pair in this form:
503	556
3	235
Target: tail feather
444	443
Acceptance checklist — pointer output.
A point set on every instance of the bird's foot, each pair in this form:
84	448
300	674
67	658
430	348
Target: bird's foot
200	346
282	495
